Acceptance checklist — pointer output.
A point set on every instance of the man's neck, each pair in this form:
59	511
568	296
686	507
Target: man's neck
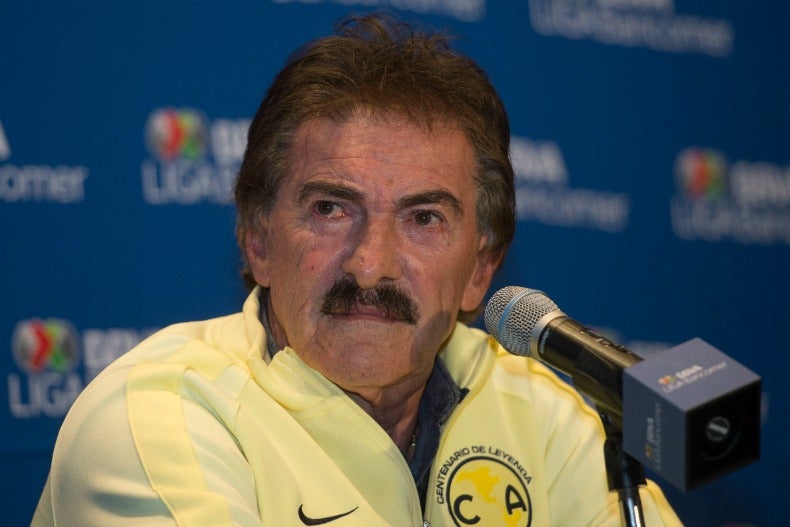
395	411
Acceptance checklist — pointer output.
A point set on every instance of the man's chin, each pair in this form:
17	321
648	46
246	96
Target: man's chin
362	365
364	336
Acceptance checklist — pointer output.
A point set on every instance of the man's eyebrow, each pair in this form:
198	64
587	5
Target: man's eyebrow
328	189
432	197
339	191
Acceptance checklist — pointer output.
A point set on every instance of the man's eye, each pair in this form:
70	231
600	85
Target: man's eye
327	208
426	218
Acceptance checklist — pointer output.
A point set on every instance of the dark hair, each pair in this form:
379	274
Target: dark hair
378	65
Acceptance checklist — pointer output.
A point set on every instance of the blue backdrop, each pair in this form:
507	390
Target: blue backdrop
649	136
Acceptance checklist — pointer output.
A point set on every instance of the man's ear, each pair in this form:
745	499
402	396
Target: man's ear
255	247
480	280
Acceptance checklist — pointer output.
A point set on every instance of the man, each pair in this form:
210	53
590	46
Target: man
375	203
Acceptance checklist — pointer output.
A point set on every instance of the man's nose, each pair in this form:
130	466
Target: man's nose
374	256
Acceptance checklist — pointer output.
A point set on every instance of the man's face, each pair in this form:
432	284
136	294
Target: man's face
370	249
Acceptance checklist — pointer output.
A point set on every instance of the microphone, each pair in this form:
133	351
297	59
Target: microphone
690	413
526	322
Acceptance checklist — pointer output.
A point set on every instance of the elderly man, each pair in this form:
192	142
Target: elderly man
375	203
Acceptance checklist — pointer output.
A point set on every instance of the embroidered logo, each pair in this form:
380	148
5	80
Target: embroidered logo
307	520
484	486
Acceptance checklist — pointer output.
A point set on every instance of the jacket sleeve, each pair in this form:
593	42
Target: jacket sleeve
146	453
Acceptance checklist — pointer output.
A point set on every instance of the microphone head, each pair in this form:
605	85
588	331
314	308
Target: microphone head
515	318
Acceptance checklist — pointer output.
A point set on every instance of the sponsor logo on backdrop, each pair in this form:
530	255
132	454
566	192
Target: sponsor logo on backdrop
40	345
543	194
466	10
37	182
48	353
744	201
485	485
651	24
193	160
5	148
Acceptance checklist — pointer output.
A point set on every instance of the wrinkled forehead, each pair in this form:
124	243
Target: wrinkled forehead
392	144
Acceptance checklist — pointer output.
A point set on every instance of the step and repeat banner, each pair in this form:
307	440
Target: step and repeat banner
650	141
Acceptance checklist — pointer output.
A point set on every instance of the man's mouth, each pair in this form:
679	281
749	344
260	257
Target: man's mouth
366	312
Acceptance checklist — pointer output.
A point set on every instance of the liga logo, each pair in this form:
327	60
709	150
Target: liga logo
177	134
701	173
484	490
743	201
45	345
193	160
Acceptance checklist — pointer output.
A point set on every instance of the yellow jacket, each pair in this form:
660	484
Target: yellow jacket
198	426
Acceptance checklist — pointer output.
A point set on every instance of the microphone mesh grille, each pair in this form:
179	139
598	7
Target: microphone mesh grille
511	316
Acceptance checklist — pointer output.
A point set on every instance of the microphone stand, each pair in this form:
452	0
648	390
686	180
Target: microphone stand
597	372
624	473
